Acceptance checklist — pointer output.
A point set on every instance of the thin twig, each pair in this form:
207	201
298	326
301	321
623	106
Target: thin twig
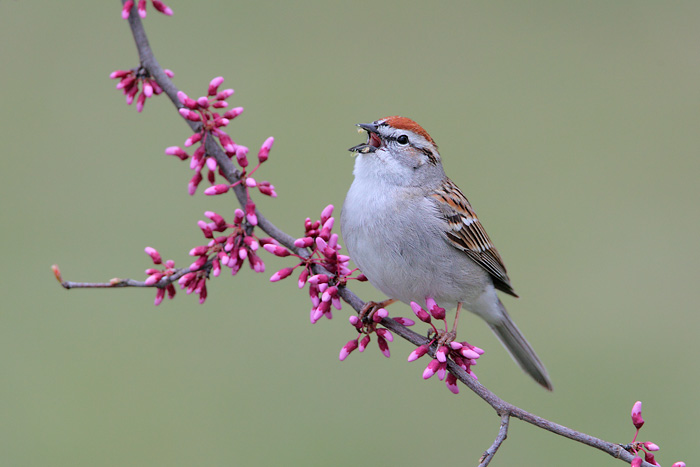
502	435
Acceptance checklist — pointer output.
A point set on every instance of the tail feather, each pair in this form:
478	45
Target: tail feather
520	349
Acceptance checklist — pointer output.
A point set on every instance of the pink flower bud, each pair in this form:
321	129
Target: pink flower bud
363	343
195	138
441	354
303	242
649	457
250	182
186	101
203	292
347	349
160	295
126	82
265	149
386	334
250	213
214	84
238	216
276	250
256	263
281	274
327	227
354	320
199	250
152	279
153	253
206	230
418	353
162	7
189	115
679	464
420	312
383	346
156	88
186	279
241	152
451	383
147	88
177	151
198	263
315	315
169	72
267	189
404	321
142	8
329	293
217	189
233	113
203	102
460	362
140	102
326	213
225	94
431	369
216	218
636	462
127	8
442	371
469	353
319	279
651	446
437	312
303	276
379	315
333	243
637	419
119	73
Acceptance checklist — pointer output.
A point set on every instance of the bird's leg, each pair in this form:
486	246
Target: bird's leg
454	326
370	308
448	336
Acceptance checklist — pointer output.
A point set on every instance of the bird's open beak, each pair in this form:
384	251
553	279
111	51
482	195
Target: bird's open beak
373	141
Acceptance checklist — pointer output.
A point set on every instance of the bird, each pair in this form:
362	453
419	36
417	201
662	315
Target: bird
414	235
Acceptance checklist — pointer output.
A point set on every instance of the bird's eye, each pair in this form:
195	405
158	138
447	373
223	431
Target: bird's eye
403	140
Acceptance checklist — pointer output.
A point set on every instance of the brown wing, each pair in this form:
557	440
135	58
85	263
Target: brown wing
468	235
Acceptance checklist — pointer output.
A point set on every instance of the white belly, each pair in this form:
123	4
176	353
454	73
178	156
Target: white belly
400	245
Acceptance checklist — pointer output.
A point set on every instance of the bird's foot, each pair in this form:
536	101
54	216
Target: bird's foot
368	312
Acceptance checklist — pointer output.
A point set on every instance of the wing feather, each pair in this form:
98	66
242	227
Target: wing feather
466	233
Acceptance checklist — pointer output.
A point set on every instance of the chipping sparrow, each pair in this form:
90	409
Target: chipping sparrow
414	235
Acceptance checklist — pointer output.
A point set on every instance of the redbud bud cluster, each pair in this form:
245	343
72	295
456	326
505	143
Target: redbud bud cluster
130	80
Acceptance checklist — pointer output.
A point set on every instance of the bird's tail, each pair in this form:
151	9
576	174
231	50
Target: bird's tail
520	349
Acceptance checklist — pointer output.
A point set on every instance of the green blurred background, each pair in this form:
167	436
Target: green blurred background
573	127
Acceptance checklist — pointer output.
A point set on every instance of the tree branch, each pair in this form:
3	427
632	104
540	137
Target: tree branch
504	409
